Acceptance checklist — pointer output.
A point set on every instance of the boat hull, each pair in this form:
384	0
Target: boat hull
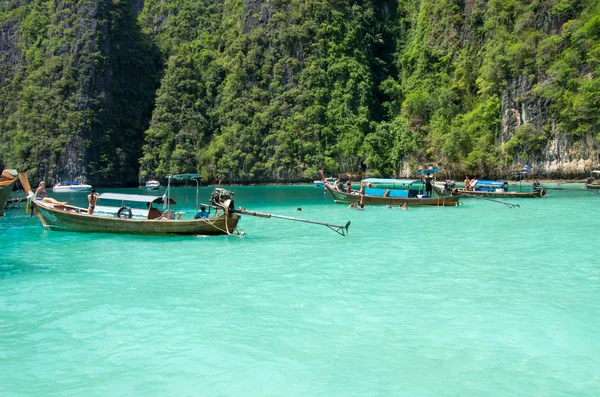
6	186
349	198
61	220
532	194
592	186
71	189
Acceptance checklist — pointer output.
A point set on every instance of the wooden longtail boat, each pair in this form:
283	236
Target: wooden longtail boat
124	219
497	189
9	177
389	196
74	219
593	182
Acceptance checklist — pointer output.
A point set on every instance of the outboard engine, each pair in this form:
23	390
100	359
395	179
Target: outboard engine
222	198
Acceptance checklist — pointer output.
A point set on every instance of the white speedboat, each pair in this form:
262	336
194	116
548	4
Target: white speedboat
153	185
71	187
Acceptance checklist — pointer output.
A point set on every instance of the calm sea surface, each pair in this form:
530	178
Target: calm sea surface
474	300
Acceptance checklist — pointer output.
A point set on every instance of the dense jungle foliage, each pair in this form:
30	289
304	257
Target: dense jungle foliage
273	90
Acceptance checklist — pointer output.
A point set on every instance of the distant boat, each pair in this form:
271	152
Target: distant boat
71	187
593	182
320	183
153	185
385	191
498	189
9	177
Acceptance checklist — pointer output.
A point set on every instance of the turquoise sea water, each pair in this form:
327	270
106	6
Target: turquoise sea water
473	300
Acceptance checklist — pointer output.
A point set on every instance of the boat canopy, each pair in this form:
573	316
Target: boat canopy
595	171
183	177
429	171
480	182
390	181
139	198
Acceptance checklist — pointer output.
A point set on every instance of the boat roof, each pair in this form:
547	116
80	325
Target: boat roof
183	177
140	198
391	181
480	182
429	171
595	171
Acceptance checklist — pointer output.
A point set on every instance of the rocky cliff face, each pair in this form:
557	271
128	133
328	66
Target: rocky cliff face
559	155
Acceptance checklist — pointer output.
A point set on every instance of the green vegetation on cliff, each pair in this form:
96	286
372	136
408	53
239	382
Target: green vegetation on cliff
263	90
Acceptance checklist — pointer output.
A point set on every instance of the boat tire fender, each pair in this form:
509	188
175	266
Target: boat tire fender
124	212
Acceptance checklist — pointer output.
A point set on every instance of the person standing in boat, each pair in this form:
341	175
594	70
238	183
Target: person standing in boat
348	186
428	185
93	197
467	183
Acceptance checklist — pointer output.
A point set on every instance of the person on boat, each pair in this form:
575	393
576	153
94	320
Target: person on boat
337	185
202	213
348	186
467	183
362	189
93	197
428	186
153	213
40	194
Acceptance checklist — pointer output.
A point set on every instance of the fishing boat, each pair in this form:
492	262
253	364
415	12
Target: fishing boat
71	187
7	181
387	191
152	185
320	183
134	214
593	182
498	189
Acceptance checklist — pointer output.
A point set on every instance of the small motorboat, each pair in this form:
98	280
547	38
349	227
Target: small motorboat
71	187
153	185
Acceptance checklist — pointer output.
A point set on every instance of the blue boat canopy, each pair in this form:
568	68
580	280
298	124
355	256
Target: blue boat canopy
68	183
390	181
497	184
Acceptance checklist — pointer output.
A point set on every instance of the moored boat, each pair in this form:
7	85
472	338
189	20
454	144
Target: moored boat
498	189
71	187
9	177
386	191
593	182
124	217
152	185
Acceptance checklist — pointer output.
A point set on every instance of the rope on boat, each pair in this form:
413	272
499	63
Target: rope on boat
509	205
